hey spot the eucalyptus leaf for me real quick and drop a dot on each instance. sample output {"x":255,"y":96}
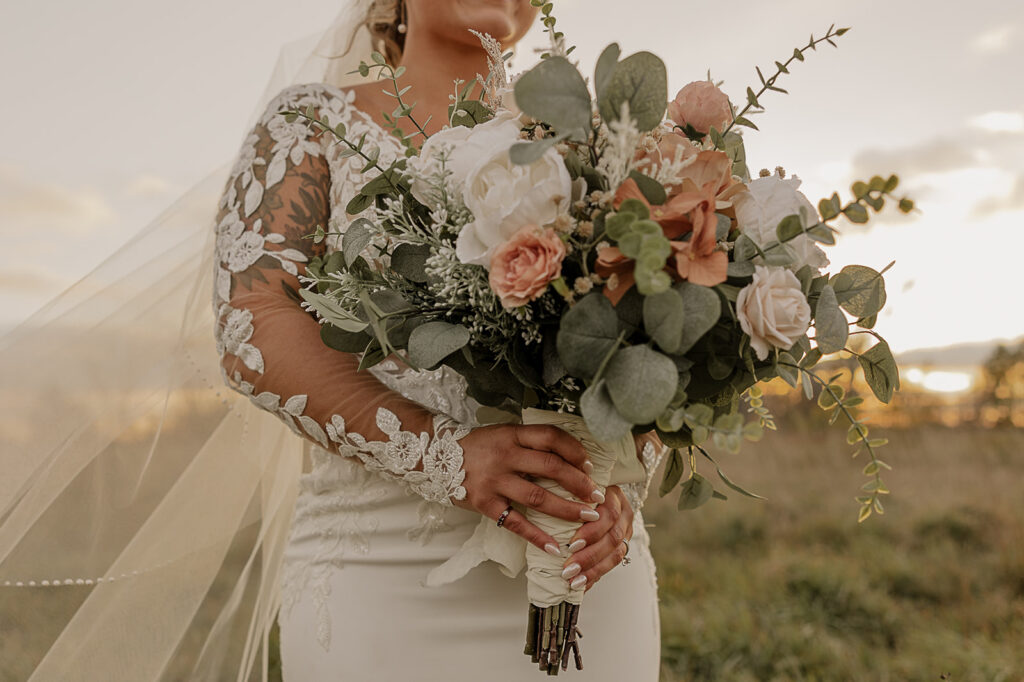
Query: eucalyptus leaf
{"x":641,"y":382}
{"x":880,"y":371}
{"x":789,"y":228}
{"x":695,"y":492}
{"x":673,"y":473}
{"x":860,"y":290}
{"x":663,"y":319}
{"x":432,"y":342}
{"x":555,"y":92}
{"x":600,"y":414}
{"x":830,"y":326}
{"x":525,"y":153}
{"x":356,"y":238}
{"x":639,"y":80}
{"x":701,"y":309}
{"x":652,"y":190}
{"x":605,"y":65}
{"x":341,"y":340}
{"x":586,"y":334}
{"x":410,"y":261}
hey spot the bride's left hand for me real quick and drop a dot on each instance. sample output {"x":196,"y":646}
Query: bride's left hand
{"x":602,"y":547}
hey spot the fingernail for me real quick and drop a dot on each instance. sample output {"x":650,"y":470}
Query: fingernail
{"x":588,"y":466}
{"x":552,"y":549}
{"x":577,"y":546}
{"x":578,"y":582}
{"x":597,"y":496}
{"x":589,"y":515}
{"x":571,"y":570}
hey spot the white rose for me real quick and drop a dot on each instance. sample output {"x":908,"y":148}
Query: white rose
{"x":503,"y":197}
{"x":759,"y":212}
{"x":772,"y":310}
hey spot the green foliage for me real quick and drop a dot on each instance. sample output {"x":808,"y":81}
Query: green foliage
{"x":641,"y":82}
{"x":432,"y":342}
{"x":880,"y":371}
{"x":601,"y":415}
{"x":701,"y":309}
{"x":663,"y":319}
{"x":555,"y":92}
{"x":587,"y":333}
{"x":830,"y":326}
{"x":859,"y":290}
{"x":641,"y":382}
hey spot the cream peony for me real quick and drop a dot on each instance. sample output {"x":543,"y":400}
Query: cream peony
{"x":463,"y":148}
{"x":773,"y":310}
{"x":503,"y":197}
{"x":760,"y":210}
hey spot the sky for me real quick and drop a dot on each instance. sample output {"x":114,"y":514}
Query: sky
{"x":112,"y":108}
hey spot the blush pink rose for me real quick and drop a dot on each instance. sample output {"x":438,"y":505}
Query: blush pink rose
{"x":522,"y":267}
{"x":702,"y":105}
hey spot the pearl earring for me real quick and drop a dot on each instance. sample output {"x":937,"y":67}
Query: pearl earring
{"x":402,"y":28}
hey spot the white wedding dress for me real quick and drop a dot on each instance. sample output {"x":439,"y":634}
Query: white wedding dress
{"x":370,"y":522}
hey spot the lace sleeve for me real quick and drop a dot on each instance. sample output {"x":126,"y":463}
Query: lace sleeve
{"x":270,"y":348}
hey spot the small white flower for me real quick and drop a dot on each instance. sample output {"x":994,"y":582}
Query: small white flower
{"x":768,"y":201}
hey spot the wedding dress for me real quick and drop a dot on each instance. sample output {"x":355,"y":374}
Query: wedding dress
{"x":372,"y":517}
{"x":154,"y":523}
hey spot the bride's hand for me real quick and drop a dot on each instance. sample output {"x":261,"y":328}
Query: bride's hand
{"x":496,"y":459}
{"x":598,"y":545}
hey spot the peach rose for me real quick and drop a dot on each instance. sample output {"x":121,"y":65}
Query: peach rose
{"x":522,"y":267}
{"x":702,"y":105}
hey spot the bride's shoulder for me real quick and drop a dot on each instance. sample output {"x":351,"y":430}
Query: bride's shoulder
{"x":323,"y":97}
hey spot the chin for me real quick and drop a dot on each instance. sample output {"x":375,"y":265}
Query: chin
{"x":494,"y":17}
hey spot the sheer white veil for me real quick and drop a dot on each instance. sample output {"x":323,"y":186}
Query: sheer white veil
{"x":144,"y":507}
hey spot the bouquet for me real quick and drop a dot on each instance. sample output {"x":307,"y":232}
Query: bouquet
{"x":598,"y":252}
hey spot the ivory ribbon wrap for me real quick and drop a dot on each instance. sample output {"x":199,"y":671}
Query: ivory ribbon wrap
{"x":614,"y":464}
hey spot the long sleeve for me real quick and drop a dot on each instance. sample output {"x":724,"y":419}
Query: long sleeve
{"x":280,"y":190}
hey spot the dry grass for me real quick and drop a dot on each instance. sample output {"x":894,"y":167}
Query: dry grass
{"x":793,"y":589}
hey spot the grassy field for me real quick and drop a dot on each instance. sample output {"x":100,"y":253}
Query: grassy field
{"x":794,"y":589}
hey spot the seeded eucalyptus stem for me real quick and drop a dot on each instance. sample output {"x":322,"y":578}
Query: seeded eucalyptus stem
{"x":875,"y":487}
{"x":781,"y":68}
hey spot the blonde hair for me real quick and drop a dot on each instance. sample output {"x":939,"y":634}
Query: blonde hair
{"x":382,"y":20}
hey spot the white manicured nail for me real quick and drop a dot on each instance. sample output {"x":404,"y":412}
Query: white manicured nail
{"x":589,"y":515}
{"x":597,"y":496}
{"x":552,"y":549}
{"x":577,"y":546}
{"x":571,"y":570}
{"x":578,"y":582}
{"x":588,"y":466}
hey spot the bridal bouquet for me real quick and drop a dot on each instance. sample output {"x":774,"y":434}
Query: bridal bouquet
{"x":598,"y":251}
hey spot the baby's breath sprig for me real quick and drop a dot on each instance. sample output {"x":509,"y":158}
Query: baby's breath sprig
{"x":753,"y":101}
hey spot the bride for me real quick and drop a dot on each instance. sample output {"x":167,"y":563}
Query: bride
{"x":141,"y":533}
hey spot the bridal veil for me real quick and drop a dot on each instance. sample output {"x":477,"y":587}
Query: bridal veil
{"x":144,"y":506}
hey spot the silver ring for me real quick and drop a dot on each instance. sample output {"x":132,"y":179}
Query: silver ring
{"x":625,"y":557}
{"x":504,"y":515}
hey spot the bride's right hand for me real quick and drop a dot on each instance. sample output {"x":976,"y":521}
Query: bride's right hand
{"x":498,"y":459}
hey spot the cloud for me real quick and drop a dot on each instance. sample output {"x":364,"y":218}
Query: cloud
{"x":31,"y":205}
{"x":999,"y":122}
{"x":148,"y":187}
{"x":935,"y":155}
{"x":994,"y":40}
{"x":1014,"y":201}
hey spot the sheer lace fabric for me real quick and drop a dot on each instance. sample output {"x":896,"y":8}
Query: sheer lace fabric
{"x":286,"y":181}
{"x":360,"y":544}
